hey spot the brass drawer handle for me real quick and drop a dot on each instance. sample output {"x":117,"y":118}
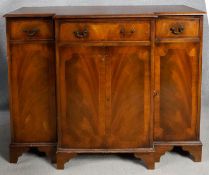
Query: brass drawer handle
{"x":30,"y":32}
{"x":176,"y":30}
{"x":81,"y":34}
{"x":124,"y":32}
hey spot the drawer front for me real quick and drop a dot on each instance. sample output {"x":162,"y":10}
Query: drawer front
{"x":174,"y":28}
{"x":31,"y":29}
{"x":123,"y":31}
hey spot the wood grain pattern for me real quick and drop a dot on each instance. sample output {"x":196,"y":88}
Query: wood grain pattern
{"x":119,"y":91}
{"x":105,"y":31}
{"x":176,"y":107}
{"x":82,"y":118}
{"x":190,"y":27}
{"x":129,"y":121}
{"x":33,"y":93}
{"x":23,"y":29}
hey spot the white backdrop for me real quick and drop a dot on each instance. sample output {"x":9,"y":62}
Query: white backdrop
{"x":9,"y":5}
{"x":207,"y":7}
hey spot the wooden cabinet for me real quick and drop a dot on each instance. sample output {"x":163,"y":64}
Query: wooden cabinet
{"x":128,"y":80}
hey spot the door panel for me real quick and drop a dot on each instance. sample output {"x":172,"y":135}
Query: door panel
{"x":176,"y":78}
{"x":82,"y":122}
{"x":129,"y":118}
{"x":33,"y":93}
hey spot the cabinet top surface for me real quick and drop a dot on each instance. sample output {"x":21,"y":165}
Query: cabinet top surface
{"x":104,"y":11}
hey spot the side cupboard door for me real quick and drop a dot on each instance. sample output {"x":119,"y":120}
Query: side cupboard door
{"x":177,"y":71}
{"x":33,"y":104}
{"x":129,"y":106}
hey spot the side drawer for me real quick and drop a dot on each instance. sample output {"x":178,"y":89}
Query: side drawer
{"x":30,"y":29}
{"x":177,"y":27}
{"x":104,"y":31}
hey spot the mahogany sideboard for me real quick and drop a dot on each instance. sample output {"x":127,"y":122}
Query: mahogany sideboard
{"x":114,"y":79}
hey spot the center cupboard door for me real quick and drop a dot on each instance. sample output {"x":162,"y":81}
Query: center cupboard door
{"x":129,"y":107}
{"x":81,"y":98}
{"x":177,"y":83}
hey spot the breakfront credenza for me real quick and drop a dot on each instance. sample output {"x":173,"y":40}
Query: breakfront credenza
{"x":105,"y":80}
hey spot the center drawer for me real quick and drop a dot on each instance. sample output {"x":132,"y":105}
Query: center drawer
{"x":102,"y":31}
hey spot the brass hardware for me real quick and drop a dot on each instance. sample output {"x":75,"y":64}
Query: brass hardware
{"x":155,"y":93}
{"x":31,"y":32}
{"x":124,"y":32}
{"x":81,"y":34}
{"x":178,"y":29}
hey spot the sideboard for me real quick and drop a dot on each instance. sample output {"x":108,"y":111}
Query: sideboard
{"x":114,"y":79}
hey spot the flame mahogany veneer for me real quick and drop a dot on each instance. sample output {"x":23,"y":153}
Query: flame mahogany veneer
{"x":105,"y":80}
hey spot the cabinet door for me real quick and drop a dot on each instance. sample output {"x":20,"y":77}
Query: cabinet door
{"x":128,"y":117}
{"x":33,"y":108}
{"x":177,"y":84}
{"x":81,"y":119}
